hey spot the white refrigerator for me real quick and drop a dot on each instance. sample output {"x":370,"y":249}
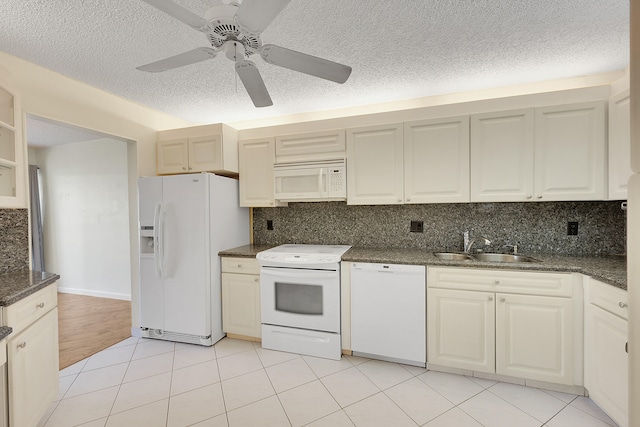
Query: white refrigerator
{"x":185,"y":220}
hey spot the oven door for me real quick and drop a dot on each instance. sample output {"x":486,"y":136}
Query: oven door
{"x":298,"y":298}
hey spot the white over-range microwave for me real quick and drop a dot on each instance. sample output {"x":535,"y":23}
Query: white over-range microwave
{"x":311,"y":181}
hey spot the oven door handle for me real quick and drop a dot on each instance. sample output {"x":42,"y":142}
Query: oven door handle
{"x":306,"y":274}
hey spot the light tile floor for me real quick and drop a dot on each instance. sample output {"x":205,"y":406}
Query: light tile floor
{"x":141,"y":382}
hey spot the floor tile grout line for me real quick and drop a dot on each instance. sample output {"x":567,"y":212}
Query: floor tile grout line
{"x":520,"y":409}
{"x":591,"y":415}
{"x":531,"y":415}
{"x":556,"y":414}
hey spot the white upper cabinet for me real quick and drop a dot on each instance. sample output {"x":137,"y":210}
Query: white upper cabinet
{"x":173,"y":156}
{"x":502,"y":156}
{"x":375,"y":165}
{"x":570,"y":153}
{"x":544,"y":154}
{"x":619,"y":145}
{"x":12,"y":175}
{"x":436,"y":160}
{"x":311,"y":146}
{"x":209,"y":148}
{"x":256,"y":159}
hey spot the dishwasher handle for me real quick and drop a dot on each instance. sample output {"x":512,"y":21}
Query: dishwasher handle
{"x":388,"y":268}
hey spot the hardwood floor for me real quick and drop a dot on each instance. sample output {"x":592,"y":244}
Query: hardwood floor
{"x":87,"y":325}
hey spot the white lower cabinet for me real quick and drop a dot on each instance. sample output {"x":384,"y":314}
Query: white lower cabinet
{"x":241,"y":297}
{"x":461,"y":329}
{"x":32,"y":356}
{"x":606,"y":359}
{"x":534,"y":337}
{"x":506,"y":327}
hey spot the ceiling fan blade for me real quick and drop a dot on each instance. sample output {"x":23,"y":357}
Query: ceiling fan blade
{"x":304,"y":63}
{"x":182,"y":14}
{"x":186,"y":58}
{"x":254,"y":16}
{"x":252,"y":81}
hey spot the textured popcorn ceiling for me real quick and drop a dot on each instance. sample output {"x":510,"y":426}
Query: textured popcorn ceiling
{"x":399,"y":49}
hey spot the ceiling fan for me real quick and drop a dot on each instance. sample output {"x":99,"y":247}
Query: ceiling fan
{"x":234,"y":28}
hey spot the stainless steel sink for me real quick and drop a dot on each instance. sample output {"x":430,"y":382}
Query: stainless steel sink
{"x":452,"y":256}
{"x":503,"y":258}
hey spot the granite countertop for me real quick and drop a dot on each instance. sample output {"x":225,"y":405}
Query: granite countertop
{"x":608,"y":269}
{"x":246,"y":251}
{"x":5,"y":331}
{"x":19,"y":284}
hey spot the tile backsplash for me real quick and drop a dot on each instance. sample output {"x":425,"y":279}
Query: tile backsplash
{"x":14,"y":240}
{"x":535,"y":227}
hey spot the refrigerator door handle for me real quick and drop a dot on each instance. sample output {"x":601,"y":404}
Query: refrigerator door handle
{"x":161,"y":241}
{"x":156,"y":240}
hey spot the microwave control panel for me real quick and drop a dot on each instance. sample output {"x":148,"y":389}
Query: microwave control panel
{"x":337,"y":181}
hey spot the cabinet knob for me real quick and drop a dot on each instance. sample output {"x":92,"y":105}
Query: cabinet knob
{"x":23,"y":344}
{"x":502,"y":300}
{"x":622,"y":304}
{"x":399,"y":200}
{"x":408,"y":200}
{"x":538,"y":197}
{"x":497,"y":282}
{"x":190,"y":168}
{"x":256,"y":280}
{"x":184,"y":168}
{"x":41,"y":305}
{"x":239,"y":265}
{"x":529,"y":196}
{"x":490,"y":298}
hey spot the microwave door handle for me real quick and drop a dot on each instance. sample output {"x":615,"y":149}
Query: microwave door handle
{"x":322,"y":187}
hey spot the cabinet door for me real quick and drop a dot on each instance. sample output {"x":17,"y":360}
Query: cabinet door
{"x":619,"y":145}
{"x":502,"y":156}
{"x":570,"y":152}
{"x":12,"y":151}
{"x":241,"y":304}
{"x":461,"y":329}
{"x":256,"y":158}
{"x":311,"y":146}
{"x":374,"y":165}
{"x":32,"y":361}
{"x":436,"y":161}
{"x":606,"y":364}
{"x":173,"y":156}
{"x":205,"y":153}
{"x":534,"y":337}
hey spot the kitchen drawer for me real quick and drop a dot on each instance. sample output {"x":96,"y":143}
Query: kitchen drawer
{"x":609,"y":298}
{"x":506,"y":281}
{"x":31,"y":308}
{"x":240,"y":265}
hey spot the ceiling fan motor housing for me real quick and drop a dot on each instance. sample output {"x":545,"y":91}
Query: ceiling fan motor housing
{"x":225,"y":29}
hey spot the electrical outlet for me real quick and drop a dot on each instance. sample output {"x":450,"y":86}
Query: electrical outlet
{"x":417,"y":227}
{"x":572,"y":228}
{"x":269,"y":224}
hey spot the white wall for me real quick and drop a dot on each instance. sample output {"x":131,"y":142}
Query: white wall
{"x":86,"y":217}
{"x":51,"y":95}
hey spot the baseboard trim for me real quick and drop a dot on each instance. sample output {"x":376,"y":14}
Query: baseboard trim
{"x":99,"y":294}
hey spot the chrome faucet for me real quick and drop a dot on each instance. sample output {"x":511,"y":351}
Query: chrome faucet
{"x":513,"y":247}
{"x":469,"y":242}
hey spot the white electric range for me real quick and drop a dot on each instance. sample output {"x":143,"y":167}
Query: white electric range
{"x":300,"y":299}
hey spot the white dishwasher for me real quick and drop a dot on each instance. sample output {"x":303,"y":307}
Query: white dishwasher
{"x":388,"y":312}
